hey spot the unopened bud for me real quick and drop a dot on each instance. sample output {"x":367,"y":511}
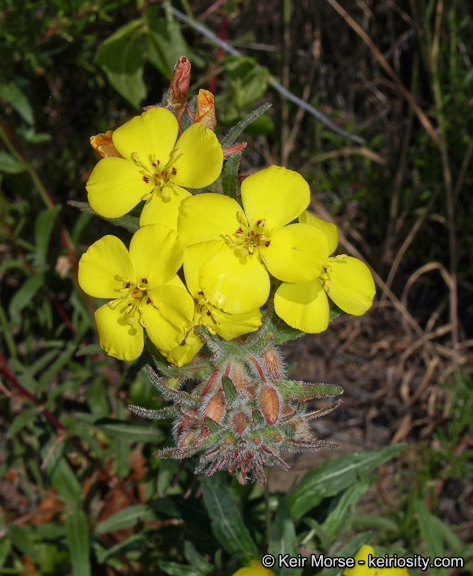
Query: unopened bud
{"x":272,"y":363}
{"x":240,"y":422}
{"x":187,"y":439}
{"x":205,"y":109}
{"x":179,"y":86}
{"x":215,"y":407}
{"x":104,"y":146}
{"x":269,"y":401}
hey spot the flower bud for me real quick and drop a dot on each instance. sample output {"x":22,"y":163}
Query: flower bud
{"x":240,"y":421}
{"x":269,"y":401}
{"x":215,"y":407}
{"x":205,"y":109}
{"x":179,"y":86}
{"x":272,"y":363}
{"x":104,"y":146}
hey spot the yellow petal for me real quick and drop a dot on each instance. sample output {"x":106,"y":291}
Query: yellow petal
{"x":362,"y":569}
{"x":153,"y":133}
{"x":303,"y":306}
{"x":170,"y":317}
{"x":116,"y":337}
{"x":296,"y":253}
{"x":158,"y":210}
{"x":235,"y":285}
{"x":102,"y":267}
{"x":116,"y":186}
{"x":157,"y":254}
{"x":194,"y":257}
{"x":329,"y":229}
{"x":185,"y":352}
{"x":276,"y":195}
{"x":208,"y":217}
{"x":351,"y":285}
{"x":229,"y":326}
{"x":256,"y":569}
{"x":201,"y":159}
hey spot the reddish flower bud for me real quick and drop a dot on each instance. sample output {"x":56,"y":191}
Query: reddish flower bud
{"x":187,"y":439}
{"x":269,"y":401}
{"x":179,"y":86}
{"x":104,"y":146}
{"x":240,"y":421}
{"x":215,"y":406}
{"x":272,"y":363}
{"x":205,"y":109}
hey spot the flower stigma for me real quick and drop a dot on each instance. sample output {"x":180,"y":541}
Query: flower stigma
{"x":247,"y":239}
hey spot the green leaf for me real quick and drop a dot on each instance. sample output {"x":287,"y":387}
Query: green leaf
{"x":126,"y":518}
{"x":77,"y":538}
{"x":283,"y":538}
{"x":348,"y":551}
{"x":129,"y":430}
{"x":284,"y":333}
{"x":12,"y":95}
{"x":233,"y":134}
{"x":290,"y":389}
{"x":333,"y":476}
{"x":227,"y":520}
{"x":43,"y":228}
{"x":175,"y":569}
{"x":340,"y":518}
{"x":4,"y":550}
{"x":122,"y":58}
{"x":62,"y":477}
{"x":129,"y":222}
{"x":431,"y":533}
{"x":24,"y":296}
{"x":198,"y":562}
{"x":165,"y":45}
{"x":230,"y":181}
{"x":9,"y":164}
{"x":20,"y":538}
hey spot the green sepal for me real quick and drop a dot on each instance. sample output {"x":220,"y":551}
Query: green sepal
{"x":170,"y":393}
{"x":212,"y":425}
{"x":169,"y":412}
{"x":229,"y":389}
{"x":293,"y":389}
{"x":230,"y":182}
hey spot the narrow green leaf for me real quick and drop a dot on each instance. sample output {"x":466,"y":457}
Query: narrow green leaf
{"x":129,"y":222}
{"x":229,"y":389}
{"x":333,"y":476}
{"x":175,"y":569}
{"x":122,"y":58}
{"x":24,"y":296}
{"x":233,"y":134}
{"x":9,"y":164}
{"x":129,"y":430}
{"x":135,"y":543}
{"x":4,"y":549}
{"x":340,"y":518}
{"x":227,"y":520}
{"x":20,"y":538}
{"x":284,"y":333}
{"x":230,"y":183}
{"x":11,"y":94}
{"x":77,"y":538}
{"x":431,"y":536}
{"x":198,"y":562}
{"x":43,"y":228}
{"x":319,"y":531}
{"x":126,"y":518}
{"x":62,"y":477}
{"x":283,"y":538}
{"x":348,"y":551}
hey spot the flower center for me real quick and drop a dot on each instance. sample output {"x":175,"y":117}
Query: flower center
{"x":159,"y":175}
{"x":203,"y":313}
{"x":247,"y":240}
{"x":137,"y":295}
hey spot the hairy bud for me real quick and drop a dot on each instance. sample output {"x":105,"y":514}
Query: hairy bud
{"x":269,"y":401}
{"x":205,"y":109}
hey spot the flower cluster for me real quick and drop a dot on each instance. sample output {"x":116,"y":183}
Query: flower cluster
{"x":201,"y":266}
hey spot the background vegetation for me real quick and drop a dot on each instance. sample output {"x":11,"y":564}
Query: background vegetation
{"x":80,"y":492}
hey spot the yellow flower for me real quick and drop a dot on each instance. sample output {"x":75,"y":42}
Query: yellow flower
{"x":144,"y":290}
{"x":154,"y":167}
{"x":251,"y":244}
{"x":256,"y":569}
{"x":346,"y":280}
{"x":227,"y":326}
{"x":365,"y":570}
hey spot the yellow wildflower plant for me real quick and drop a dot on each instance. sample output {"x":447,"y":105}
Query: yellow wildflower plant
{"x":251,"y":243}
{"x":154,"y":168}
{"x":365,"y":570}
{"x":227,"y":326}
{"x":144,"y":291}
{"x":255,"y":569}
{"x":347,"y":281}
